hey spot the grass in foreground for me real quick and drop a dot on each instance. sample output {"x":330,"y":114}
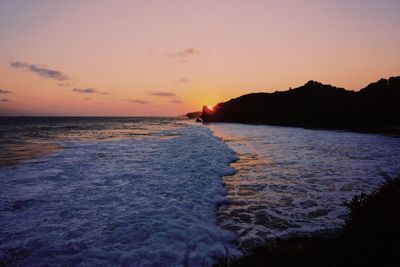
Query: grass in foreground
{"x":369,"y":237}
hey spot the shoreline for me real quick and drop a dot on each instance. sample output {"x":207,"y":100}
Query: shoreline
{"x":393,"y":131}
{"x":369,"y":237}
{"x":236,"y":219}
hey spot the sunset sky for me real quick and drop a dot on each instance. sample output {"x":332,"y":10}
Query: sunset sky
{"x":151,"y":58}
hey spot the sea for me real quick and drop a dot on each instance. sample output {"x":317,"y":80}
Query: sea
{"x":141,"y":191}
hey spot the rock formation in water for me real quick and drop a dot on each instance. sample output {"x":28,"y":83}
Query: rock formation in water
{"x":194,"y":115}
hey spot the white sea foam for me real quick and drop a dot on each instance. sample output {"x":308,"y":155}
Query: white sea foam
{"x":128,"y":202}
{"x":295,"y":180}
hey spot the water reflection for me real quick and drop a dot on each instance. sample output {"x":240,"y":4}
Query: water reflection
{"x":293,"y":179}
{"x":12,"y":153}
{"x":25,"y":138}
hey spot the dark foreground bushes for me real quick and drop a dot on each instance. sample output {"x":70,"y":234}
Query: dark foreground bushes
{"x":369,"y":237}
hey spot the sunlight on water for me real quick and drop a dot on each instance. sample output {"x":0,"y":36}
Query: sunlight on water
{"x":26,"y":150}
{"x":28,"y":138}
{"x":295,"y":180}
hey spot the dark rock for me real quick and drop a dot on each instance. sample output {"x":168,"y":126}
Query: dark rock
{"x":193,"y":115}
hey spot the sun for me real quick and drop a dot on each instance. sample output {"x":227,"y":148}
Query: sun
{"x":210,"y":107}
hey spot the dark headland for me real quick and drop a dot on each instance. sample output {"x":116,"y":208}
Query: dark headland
{"x":374,"y":108}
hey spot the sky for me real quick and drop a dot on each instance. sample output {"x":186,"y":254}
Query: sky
{"x":167,"y":58}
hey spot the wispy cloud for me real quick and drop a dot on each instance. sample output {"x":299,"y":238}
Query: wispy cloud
{"x":85,"y":90}
{"x":40,"y":70}
{"x":184,"y":55}
{"x":5,"y":100}
{"x":89,"y":91}
{"x":161,"y":93}
{"x":139,"y":101}
{"x":182,"y":81}
{"x":4,"y":91}
{"x":65,"y":84}
{"x":176,"y":101}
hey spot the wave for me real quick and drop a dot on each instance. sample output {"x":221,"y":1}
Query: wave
{"x":118,"y":202}
{"x":296,"y":180}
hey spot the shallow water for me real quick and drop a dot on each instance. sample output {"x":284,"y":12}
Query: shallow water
{"x":146,"y":200}
{"x":24,"y":138}
{"x":148,"y":191}
{"x":296,"y":180}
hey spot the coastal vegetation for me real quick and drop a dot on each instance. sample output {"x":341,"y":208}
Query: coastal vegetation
{"x":369,"y":237}
{"x":316,"y":105}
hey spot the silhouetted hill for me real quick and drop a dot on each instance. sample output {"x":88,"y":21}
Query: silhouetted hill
{"x":316,"y":105}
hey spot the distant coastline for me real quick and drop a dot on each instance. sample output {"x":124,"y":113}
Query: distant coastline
{"x":373,"y":109}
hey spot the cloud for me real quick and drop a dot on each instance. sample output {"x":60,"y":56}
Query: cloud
{"x":64,"y":84}
{"x":85,"y":90}
{"x":89,"y":91}
{"x":183,"y":56}
{"x":5,"y":100}
{"x":41,"y":71}
{"x":176,"y":101}
{"x":185,"y":53}
{"x":139,"y":101}
{"x":161,"y":94}
{"x":182,"y":81}
{"x":4,"y":91}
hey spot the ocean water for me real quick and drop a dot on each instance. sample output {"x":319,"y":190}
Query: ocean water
{"x":122,"y":191}
{"x":169,"y":192}
{"x":296,"y":180}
